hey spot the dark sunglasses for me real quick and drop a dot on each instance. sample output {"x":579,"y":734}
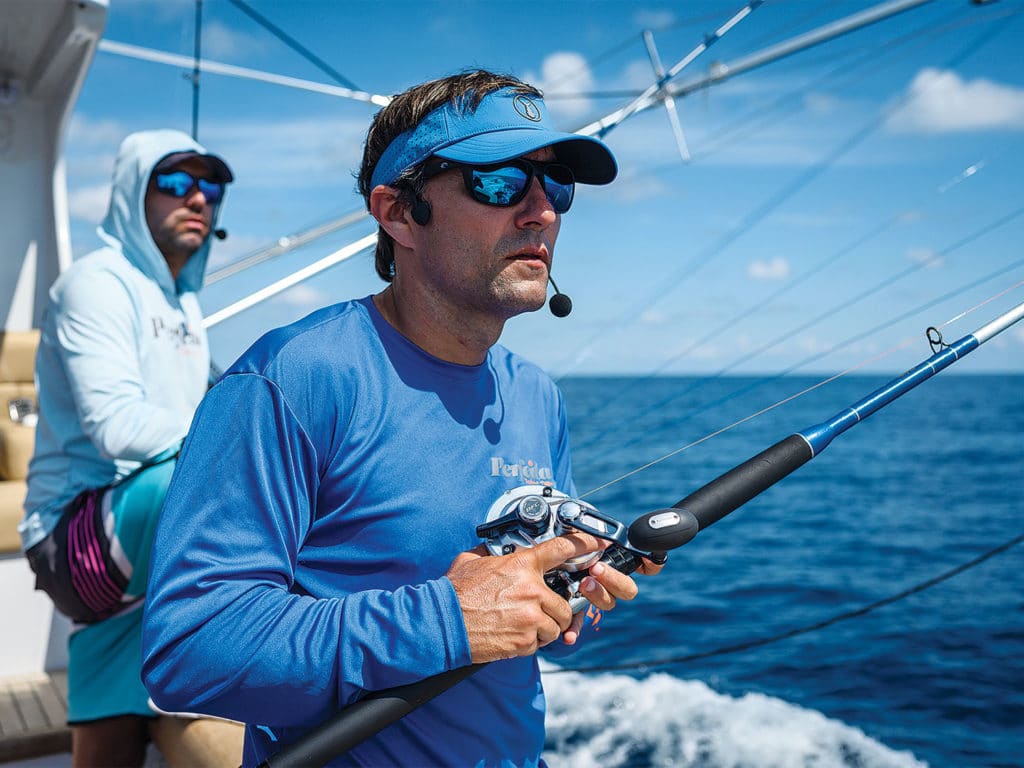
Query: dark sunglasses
{"x":505,"y":184}
{"x":181,"y":183}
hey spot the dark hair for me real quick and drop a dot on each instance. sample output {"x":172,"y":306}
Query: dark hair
{"x":464,"y":90}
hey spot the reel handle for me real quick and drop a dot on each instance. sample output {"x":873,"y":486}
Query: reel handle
{"x":564,"y":584}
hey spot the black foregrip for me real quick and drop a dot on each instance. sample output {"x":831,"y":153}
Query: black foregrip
{"x":621,"y":559}
{"x":363,"y":719}
{"x":739,"y":485}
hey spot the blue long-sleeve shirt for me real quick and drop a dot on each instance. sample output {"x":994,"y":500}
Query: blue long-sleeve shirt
{"x":329,"y":480}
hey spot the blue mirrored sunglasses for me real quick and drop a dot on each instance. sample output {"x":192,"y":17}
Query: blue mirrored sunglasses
{"x":505,"y":184}
{"x":181,"y":183}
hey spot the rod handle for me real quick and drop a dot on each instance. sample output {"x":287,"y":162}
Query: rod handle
{"x":361,"y":720}
{"x":733,"y":489}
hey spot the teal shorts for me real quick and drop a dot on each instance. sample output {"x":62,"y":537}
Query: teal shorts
{"x":105,"y":658}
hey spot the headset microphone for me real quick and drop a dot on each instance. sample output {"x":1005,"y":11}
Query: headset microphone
{"x":560,"y":304}
{"x":220,"y":234}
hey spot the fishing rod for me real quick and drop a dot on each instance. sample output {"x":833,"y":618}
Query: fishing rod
{"x":650,"y":536}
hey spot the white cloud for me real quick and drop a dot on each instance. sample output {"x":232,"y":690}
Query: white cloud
{"x":160,"y":11}
{"x":231,"y":250}
{"x":638,"y":75}
{"x":89,"y":203}
{"x":818,"y":103}
{"x":654,"y":317}
{"x":223,"y":42}
{"x":940,"y":101}
{"x":775,"y":269}
{"x":85,"y":132}
{"x":303,"y":295}
{"x":564,"y":72}
{"x":813,"y":345}
{"x":925,"y":256}
{"x":634,"y":187}
{"x":651,"y":19}
{"x":303,"y":150}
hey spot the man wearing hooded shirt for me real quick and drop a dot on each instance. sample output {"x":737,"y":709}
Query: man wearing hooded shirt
{"x":122,"y":364}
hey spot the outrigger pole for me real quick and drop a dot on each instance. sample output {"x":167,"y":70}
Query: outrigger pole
{"x":720,"y":72}
{"x":705,"y":506}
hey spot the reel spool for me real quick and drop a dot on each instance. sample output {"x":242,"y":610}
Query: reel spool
{"x":531,"y":514}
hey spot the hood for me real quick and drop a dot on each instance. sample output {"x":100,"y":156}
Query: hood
{"x":125,"y":229}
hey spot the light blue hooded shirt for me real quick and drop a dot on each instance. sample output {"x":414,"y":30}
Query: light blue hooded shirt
{"x":123,"y":359}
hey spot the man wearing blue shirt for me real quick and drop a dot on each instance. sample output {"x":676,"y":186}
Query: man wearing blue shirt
{"x":318,"y":540}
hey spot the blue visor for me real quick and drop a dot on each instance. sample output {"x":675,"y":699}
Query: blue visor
{"x":504,"y":126}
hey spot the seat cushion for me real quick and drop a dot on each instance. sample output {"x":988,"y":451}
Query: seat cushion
{"x":12,"y":494}
{"x":18,"y":355}
{"x":16,"y":444}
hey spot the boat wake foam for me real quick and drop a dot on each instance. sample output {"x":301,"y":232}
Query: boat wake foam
{"x":615,"y":720}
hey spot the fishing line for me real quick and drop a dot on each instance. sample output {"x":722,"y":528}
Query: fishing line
{"x":761,"y":382}
{"x":790,"y":398}
{"x":806,"y":629}
{"x":736,"y":319}
{"x":285,"y":245}
{"x":760,"y":212}
{"x":967,"y":239}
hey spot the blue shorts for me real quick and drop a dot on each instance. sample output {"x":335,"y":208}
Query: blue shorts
{"x":95,"y":565}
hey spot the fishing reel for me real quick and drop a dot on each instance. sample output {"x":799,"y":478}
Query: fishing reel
{"x":532,"y":514}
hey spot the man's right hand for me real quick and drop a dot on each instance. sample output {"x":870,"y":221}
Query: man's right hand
{"x":507,"y":607}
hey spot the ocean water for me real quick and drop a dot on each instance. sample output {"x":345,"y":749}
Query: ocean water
{"x":929,"y":483}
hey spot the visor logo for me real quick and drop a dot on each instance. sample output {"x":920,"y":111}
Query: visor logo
{"x":524,"y":106}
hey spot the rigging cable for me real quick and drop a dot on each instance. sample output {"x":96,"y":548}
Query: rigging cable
{"x":618,"y":48}
{"x":294,"y":44}
{"x":773,"y":108}
{"x":767,"y":112}
{"x":754,"y":217}
{"x":786,"y":335}
{"x":758,"y":306}
{"x":197,"y":57}
{"x":779,"y":106}
{"x":837,"y":618}
{"x":803,"y":630}
{"x":656,"y":91}
{"x":615,"y":50}
{"x":760,"y":382}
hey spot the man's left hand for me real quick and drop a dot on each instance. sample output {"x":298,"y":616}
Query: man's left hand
{"x":602,"y":588}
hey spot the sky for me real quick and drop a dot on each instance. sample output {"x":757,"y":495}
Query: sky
{"x":837,"y":202}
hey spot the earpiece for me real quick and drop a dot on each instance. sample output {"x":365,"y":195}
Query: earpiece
{"x":421,"y":211}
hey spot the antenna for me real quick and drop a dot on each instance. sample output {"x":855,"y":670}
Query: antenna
{"x":195,"y":70}
{"x":666,"y":98}
{"x":659,"y":91}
